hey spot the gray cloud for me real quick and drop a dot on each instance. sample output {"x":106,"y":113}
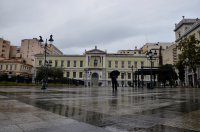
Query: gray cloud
{"x":81,"y":24}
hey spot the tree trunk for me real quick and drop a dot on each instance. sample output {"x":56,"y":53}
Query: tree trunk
{"x":195,"y":79}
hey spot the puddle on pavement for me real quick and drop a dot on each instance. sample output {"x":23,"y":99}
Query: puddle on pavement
{"x":103,"y":120}
{"x":79,"y":114}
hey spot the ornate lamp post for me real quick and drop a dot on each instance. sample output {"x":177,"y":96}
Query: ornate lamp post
{"x":46,"y":63}
{"x":151,"y":56}
{"x":132,"y":76}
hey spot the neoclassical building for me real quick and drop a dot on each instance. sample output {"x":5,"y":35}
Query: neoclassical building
{"x":16,"y":67}
{"x":94,"y":66}
{"x":185,"y":28}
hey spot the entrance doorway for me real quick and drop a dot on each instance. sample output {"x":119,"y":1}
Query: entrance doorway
{"x":94,"y":79}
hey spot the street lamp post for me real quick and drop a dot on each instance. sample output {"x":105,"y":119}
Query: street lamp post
{"x":132,"y":77}
{"x":151,"y":56}
{"x":46,"y":63}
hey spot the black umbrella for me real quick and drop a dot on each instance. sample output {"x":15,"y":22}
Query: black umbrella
{"x":114,"y":73}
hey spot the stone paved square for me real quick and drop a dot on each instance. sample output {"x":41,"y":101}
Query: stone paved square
{"x":99,"y":109}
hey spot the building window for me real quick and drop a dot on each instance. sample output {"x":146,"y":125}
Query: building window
{"x":80,"y":74}
{"x":50,"y":62}
{"x":0,"y":67}
{"x":108,"y":74}
{"x":95,"y":62}
{"x":122,"y":75}
{"x":129,"y":75}
{"x":142,"y":63}
{"x":186,"y":28}
{"x":6,"y":67}
{"x":68,"y":63}
{"x":3,"y":50}
{"x":122,"y":64}
{"x":10,"y":67}
{"x":179,"y":34}
{"x":74,"y":63}
{"x":68,"y":74}
{"x":109,"y":64}
{"x":62,"y":63}
{"x":152,"y":64}
{"x":81,"y":63}
{"x":129,"y":64}
{"x":74,"y":74}
{"x":40,"y":62}
{"x":116,"y":64}
{"x":56,"y":63}
{"x":135,"y":64}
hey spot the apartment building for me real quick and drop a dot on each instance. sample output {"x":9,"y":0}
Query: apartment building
{"x":31,"y":47}
{"x":155,"y":46}
{"x":170,"y":55}
{"x":4,"y":49}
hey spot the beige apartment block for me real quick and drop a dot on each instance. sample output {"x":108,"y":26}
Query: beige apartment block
{"x":15,"y":67}
{"x":133,"y":52}
{"x":15,"y":52}
{"x":170,"y":55}
{"x":185,"y":28}
{"x":31,"y":47}
{"x":4,"y":48}
{"x":155,"y":46}
{"x":54,"y":50}
{"x":94,"y":66}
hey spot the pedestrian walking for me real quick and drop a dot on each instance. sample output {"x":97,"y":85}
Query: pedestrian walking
{"x":113,"y":75}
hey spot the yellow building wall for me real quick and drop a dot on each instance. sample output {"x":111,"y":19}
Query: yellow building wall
{"x":119,"y":58}
{"x":65,"y":60}
{"x":15,"y":68}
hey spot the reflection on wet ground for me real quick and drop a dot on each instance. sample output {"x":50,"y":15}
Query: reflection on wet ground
{"x":128,"y":109}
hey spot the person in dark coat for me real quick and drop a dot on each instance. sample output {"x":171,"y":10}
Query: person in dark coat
{"x":114,"y":83}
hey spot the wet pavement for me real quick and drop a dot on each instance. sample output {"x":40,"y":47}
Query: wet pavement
{"x":99,"y":109}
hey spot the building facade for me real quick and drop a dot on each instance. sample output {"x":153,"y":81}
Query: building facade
{"x":186,"y":28}
{"x":31,"y":47}
{"x":170,"y":55}
{"x":94,"y":66}
{"x":4,"y":49}
{"x":15,"y":52}
{"x":15,"y":68}
{"x":156,"y":46}
{"x":54,"y":50}
{"x":19,"y":60}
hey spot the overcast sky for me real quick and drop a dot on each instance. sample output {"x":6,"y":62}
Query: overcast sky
{"x":81,"y":24}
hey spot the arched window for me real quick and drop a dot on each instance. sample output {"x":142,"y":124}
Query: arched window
{"x":95,"y":62}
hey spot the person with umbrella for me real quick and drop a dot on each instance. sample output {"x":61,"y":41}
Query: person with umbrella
{"x":113,"y":75}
